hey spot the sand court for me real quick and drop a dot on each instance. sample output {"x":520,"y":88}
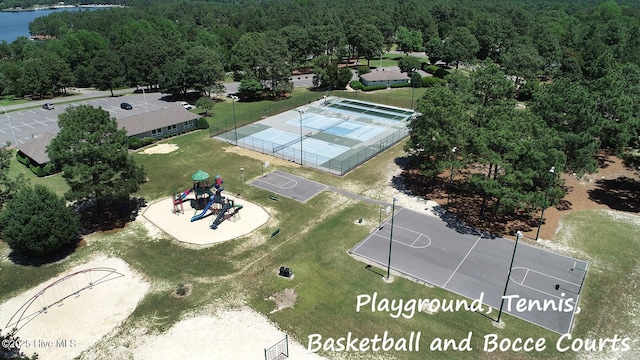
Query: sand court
{"x":74,"y":324}
{"x":232,"y":334}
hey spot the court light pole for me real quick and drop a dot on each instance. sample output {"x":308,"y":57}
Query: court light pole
{"x":242,"y":175}
{"x":10,"y":126}
{"x":413,"y":88}
{"x":235,"y":128}
{"x":544,"y":202}
{"x":518,"y":237}
{"x":453,"y":154}
{"x":144,"y":95}
{"x":393,"y":213}
{"x":301,"y":153}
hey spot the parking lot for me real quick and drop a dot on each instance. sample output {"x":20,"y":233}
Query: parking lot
{"x":32,"y":122}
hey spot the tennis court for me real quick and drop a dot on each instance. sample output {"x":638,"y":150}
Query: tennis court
{"x":331,"y":134}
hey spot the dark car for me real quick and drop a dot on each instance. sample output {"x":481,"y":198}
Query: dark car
{"x":126,"y":106}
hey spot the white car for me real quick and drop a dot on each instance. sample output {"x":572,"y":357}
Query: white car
{"x":186,"y":105}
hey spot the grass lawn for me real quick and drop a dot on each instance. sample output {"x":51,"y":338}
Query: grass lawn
{"x":54,"y":182}
{"x":610,"y":300}
{"x":313,"y":241}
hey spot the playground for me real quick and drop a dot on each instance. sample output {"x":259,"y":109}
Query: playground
{"x":204,"y":214}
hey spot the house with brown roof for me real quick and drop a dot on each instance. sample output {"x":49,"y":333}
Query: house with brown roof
{"x":153,"y":124}
{"x":34,"y":153}
{"x":384,"y":77}
{"x":159,"y":123}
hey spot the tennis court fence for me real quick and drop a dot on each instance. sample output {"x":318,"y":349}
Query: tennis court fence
{"x":239,"y":117}
{"x":339,"y":166}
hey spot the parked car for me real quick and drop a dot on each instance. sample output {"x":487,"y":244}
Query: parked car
{"x":48,"y":106}
{"x":126,"y":106}
{"x":186,"y":105}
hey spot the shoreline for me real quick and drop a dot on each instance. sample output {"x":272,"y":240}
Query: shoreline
{"x":58,"y":7}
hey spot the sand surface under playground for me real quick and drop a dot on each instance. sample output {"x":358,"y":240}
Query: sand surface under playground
{"x":65,"y":330}
{"x":180,"y":227}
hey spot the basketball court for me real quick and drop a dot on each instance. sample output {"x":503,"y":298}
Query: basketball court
{"x":440,"y":252}
{"x":288,"y":185}
{"x":543,"y":289}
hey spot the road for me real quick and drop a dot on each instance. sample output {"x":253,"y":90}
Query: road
{"x":25,"y":122}
{"x":21,"y":123}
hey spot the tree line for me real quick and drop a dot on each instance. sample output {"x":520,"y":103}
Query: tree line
{"x":573,"y":65}
{"x":191,"y":45}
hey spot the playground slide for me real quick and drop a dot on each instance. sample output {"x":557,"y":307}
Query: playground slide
{"x":185,"y":193}
{"x":204,"y":211}
{"x":220,"y":217}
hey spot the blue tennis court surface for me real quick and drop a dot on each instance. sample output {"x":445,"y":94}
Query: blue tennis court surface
{"x":356,"y":130}
{"x":311,"y":145}
{"x":276,"y":136}
{"x":316,"y":121}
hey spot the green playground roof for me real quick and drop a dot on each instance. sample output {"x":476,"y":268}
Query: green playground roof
{"x":199,"y":176}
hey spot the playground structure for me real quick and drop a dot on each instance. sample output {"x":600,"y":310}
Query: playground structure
{"x":207,"y":202}
{"x":58,"y":291}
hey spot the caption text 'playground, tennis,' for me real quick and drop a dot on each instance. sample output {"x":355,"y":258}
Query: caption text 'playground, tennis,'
{"x":397,"y":308}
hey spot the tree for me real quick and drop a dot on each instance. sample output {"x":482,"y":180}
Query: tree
{"x":522,"y":61}
{"x":366,"y":40}
{"x":92,"y":153}
{"x":570,"y":109}
{"x":205,"y":103}
{"x":491,"y":87}
{"x":614,"y":94}
{"x":492,"y":32}
{"x":330,"y":76}
{"x":443,"y":124}
{"x":516,"y":149}
{"x":460,"y":46}
{"x":298,"y":43}
{"x":12,"y":352}
{"x":37,"y":222}
{"x":34,"y":79}
{"x":106,"y":70}
{"x":434,"y":49}
{"x":409,"y":64}
{"x":249,"y":88}
{"x":409,"y":40}
{"x":203,"y":68}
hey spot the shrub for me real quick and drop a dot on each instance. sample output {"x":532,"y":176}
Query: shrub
{"x":374,"y":87}
{"x":134,"y":143}
{"x":363,"y":69}
{"x":39,"y":171}
{"x":441,"y":73}
{"x":431,"y":69}
{"x":147,"y":141}
{"x":429,"y":81}
{"x":202,"y":123}
{"x":400,"y":85}
{"x":356,"y":85}
{"x":23,"y":159}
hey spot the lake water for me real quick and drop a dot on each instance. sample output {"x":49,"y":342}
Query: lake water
{"x":16,"y":24}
